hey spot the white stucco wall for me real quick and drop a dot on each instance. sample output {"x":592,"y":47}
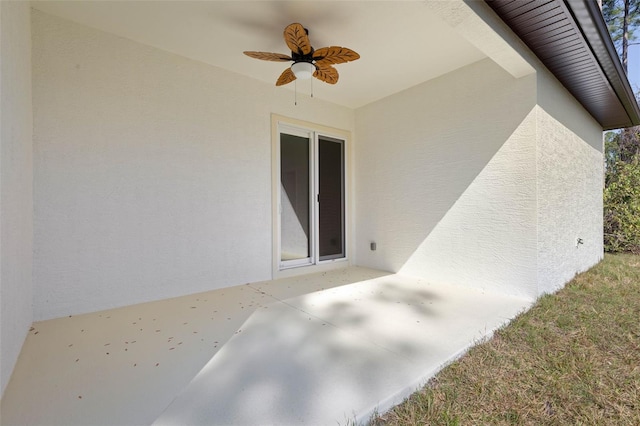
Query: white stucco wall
{"x":570,"y":183}
{"x":152,"y":175}
{"x":152,"y":172}
{"x":479,"y":178}
{"x":16,"y":183}
{"x":446,"y":180}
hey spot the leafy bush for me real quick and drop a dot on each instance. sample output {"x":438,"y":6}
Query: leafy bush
{"x":622,"y":206}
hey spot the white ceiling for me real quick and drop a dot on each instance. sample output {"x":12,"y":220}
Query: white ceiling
{"x":401,"y":43}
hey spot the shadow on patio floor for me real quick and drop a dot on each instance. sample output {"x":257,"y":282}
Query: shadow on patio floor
{"x":317,"y":349}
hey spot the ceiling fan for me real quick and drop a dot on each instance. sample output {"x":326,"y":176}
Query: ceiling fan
{"x":307,"y":61}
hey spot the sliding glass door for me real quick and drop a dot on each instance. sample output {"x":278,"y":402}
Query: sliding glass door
{"x":311,"y":197}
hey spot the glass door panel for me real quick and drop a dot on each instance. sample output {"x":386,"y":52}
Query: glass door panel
{"x":295,"y":219}
{"x":330,"y":198}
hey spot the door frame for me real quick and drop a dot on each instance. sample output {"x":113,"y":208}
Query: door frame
{"x":279,"y":122}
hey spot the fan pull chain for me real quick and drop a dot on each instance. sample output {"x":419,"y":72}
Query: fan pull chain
{"x":295,"y":92}
{"x":312,"y":87}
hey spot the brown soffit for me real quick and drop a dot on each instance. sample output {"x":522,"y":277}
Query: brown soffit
{"x":571,"y":39}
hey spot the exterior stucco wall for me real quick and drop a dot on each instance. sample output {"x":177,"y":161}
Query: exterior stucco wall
{"x":152,"y":171}
{"x":446,"y":180}
{"x":16,"y":183}
{"x":507,"y":219}
{"x":153,"y":176}
{"x":570,"y":183}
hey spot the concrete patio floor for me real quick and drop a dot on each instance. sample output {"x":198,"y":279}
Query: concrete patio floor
{"x":320,"y":349}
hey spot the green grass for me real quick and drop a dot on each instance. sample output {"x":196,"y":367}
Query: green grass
{"x":572,"y":359}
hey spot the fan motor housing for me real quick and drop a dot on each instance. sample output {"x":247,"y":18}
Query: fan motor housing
{"x":297,"y":57}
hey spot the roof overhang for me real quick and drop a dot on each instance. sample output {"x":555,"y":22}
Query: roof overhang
{"x":571,"y":39}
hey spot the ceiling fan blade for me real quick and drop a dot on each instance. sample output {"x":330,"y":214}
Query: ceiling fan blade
{"x":287,"y":76}
{"x":296,"y":38}
{"x":268,"y":56}
{"x":327,"y":73}
{"x":334,"y":55}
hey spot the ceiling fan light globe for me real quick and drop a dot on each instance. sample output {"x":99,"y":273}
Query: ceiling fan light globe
{"x":303,"y":70}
